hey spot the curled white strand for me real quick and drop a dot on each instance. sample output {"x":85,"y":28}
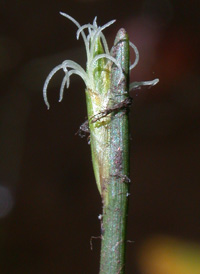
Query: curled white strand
{"x":137,"y":85}
{"x":104,"y":55}
{"x":103,"y":40}
{"x":82,"y":32}
{"x":62,"y":87}
{"x":77,"y":72}
{"x":89,"y":35}
{"x":110,"y":58}
{"x":102,"y":36}
{"x":66,"y":80}
{"x":95,"y":22}
{"x":86,"y":26}
{"x":98,"y":31}
{"x":73,"y":65}
{"x":136,"y":55}
{"x":105,"y":45}
{"x":76,"y":68}
{"x":70,"y":18}
{"x":46,"y":83}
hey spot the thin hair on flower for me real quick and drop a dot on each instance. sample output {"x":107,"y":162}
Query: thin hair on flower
{"x":70,"y":67}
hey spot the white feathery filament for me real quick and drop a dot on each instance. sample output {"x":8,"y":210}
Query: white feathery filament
{"x":70,"y":67}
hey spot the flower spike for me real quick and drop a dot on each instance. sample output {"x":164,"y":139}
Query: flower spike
{"x":91,"y":40}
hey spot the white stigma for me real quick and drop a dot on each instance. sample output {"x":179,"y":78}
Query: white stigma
{"x":70,"y":67}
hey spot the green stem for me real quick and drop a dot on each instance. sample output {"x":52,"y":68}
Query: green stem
{"x":107,"y":97}
{"x":116,"y":204}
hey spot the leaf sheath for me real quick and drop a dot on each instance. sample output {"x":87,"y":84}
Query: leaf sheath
{"x":116,"y":205}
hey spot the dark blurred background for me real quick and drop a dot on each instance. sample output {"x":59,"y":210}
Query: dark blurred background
{"x":49,"y":203}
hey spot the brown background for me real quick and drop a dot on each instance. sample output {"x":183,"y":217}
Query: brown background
{"x":49,"y":202}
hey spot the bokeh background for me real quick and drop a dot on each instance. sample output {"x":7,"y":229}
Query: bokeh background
{"x":49,"y":203}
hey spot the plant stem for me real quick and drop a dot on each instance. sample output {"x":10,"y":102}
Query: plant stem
{"x":107,"y":97}
{"x":115,"y":205}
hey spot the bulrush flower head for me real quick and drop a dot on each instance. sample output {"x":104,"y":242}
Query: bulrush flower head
{"x":91,"y":40}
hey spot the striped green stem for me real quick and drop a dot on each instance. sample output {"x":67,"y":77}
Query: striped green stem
{"x":115,"y":208}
